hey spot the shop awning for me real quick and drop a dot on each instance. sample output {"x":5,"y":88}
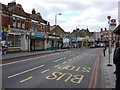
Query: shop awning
{"x":117,"y":30}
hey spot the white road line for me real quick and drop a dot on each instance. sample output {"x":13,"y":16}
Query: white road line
{"x":29,"y":59}
{"x":26,"y":71}
{"x":59,"y":59}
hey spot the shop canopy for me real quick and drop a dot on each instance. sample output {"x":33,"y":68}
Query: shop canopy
{"x":117,"y":30}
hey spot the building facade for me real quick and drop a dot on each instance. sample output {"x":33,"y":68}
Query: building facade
{"x":23,"y":31}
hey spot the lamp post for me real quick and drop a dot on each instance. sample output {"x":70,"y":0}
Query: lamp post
{"x":56,"y":30}
{"x":109,"y":50}
{"x":77,"y":35}
{"x":56,"y":18}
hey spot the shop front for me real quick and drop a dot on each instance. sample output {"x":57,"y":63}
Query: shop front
{"x":17,"y":40}
{"x":37,"y":41}
{"x":73,"y":42}
{"x":53,"y":42}
{"x":66,"y":43}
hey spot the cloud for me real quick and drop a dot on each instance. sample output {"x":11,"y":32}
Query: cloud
{"x":86,"y":13}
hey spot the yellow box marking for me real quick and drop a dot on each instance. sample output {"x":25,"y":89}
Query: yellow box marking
{"x":45,"y":71}
{"x":25,"y":79}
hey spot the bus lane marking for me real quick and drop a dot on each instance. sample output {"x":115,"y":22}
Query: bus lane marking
{"x":56,"y":65}
{"x":26,"y":79}
{"x":69,"y":77}
{"x":45,"y":71}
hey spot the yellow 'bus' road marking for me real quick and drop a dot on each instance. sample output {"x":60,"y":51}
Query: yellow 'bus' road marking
{"x":45,"y":71}
{"x":25,"y":79}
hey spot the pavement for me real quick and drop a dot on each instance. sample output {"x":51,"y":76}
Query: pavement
{"x":23,"y":54}
{"x":107,"y":78}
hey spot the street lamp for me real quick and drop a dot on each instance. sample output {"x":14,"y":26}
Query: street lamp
{"x":55,"y":30}
{"x":109,"y":50}
{"x":56,"y":18}
{"x":77,"y":35}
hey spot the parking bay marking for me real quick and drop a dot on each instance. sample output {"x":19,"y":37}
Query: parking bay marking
{"x":26,"y":71}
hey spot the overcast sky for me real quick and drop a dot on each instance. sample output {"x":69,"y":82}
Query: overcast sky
{"x":90,"y":14}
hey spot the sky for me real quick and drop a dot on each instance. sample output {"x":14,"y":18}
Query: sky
{"x":91,"y":14}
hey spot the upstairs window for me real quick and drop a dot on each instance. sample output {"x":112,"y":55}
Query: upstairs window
{"x":19,"y":24}
{"x":14,"y":21}
{"x":23,"y":23}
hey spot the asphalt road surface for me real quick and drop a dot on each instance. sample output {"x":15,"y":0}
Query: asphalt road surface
{"x":71,"y":69}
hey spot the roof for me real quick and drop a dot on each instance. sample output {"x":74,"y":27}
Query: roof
{"x":52,"y":27}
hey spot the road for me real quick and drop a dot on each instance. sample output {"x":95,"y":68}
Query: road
{"x":71,"y":69}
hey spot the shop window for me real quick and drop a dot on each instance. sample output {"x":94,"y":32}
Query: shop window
{"x":14,"y":40}
{"x":11,"y":40}
{"x":17,"y":41}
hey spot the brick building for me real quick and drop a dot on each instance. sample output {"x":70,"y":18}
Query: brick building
{"x":107,"y":35}
{"x":23,"y":31}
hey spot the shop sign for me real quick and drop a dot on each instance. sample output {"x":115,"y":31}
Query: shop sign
{"x":73,"y":38}
{"x":52,"y":37}
{"x":37,"y":35}
{"x":17,"y":31}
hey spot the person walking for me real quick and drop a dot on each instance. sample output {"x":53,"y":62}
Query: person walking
{"x":104,"y":49}
{"x":116,"y":61}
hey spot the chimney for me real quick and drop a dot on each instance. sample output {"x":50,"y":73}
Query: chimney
{"x":33,"y":11}
{"x":11,"y":4}
{"x":101,"y":29}
{"x":105,"y":29}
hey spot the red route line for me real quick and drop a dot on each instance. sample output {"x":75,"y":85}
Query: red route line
{"x":92,"y":77}
{"x":96,"y":74}
{"x":93,"y":80}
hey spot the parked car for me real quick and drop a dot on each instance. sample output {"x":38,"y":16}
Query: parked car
{"x":92,"y":46}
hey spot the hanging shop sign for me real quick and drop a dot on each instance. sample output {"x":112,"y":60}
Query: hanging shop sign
{"x":36,"y":35}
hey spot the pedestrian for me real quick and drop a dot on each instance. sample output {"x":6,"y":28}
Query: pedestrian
{"x":104,"y":50}
{"x":116,"y":61}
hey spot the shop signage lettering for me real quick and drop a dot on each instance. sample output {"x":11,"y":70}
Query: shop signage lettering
{"x":37,"y":35}
{"x":17,"y":31}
